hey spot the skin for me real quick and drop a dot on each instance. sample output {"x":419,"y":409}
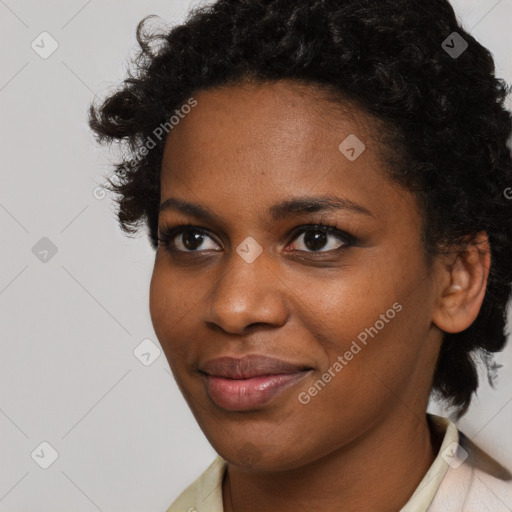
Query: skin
{"x":242,"y":149}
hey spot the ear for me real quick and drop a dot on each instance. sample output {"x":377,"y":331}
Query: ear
{"x":464,"y":274}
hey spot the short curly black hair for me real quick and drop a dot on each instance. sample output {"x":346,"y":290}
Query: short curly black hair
{"x":399,"y":61}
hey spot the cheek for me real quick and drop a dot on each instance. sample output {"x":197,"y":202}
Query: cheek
{"x":376,"y":321}
{"x":350,"y":300}
{"x":168,"y":308}
{"x":175,"y":305}
{"x":171,"y":299}
{"x":158,"y":300}
{"x":367,"y":365}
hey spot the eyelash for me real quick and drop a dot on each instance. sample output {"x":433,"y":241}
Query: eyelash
{"x":168,"y":233}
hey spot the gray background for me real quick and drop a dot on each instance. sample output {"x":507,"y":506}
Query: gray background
{"x":125,"y":438}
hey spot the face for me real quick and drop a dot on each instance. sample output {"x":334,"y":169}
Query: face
{"x":310,"y":255}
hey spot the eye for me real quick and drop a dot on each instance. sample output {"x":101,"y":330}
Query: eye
{"x":185,"y":239}
{"x":316,"y":237}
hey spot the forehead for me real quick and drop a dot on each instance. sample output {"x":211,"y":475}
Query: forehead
{"x":269,"y":109}
{"x":272,"y":121}
{"x":261,"y":143}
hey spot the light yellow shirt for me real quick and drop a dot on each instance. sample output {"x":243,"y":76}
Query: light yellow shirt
{"x":462,"y":478}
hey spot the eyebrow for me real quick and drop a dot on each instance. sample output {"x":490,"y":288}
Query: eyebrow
{"x":276,"y":212}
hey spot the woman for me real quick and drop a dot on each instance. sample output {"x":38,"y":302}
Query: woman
{"x":324,"y":183}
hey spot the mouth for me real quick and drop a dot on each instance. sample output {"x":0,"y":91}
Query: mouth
{"x":249,"y":382}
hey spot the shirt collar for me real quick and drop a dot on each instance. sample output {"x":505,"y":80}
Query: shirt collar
{"x":447,"y":455}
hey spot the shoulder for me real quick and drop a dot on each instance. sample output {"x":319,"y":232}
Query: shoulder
{"x":205,"y":493}
{"x":474,"y":481}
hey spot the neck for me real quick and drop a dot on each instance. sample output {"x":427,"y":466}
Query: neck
{"x":378,"y":471}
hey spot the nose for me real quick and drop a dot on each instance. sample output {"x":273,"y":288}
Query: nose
{"x":247,"y":294}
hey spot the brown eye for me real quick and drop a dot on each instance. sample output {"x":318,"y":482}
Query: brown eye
{"x":321,"y":238}
{"x":186,"y":239}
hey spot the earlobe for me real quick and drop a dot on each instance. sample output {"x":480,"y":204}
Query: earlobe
{"x":464,"y":284}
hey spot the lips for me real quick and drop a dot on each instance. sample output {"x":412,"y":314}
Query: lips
{"x":249,"y":382}
{"x":248,"y":366}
